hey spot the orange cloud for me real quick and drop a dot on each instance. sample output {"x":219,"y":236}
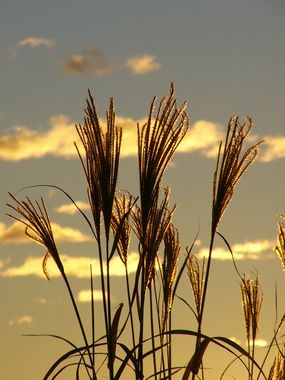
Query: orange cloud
{"x":142,"y":64}
{"x":34,"y":42}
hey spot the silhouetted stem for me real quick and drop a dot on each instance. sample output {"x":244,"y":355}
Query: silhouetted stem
{"x":94,"y":377}
{"x":207,"y":275}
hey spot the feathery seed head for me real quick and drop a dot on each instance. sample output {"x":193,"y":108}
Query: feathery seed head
{"x":196,"y":276}
{"x":230,"y":166}
{"x":38,"y":228}
{"x":157,"y":142}
{"x":120,"y":223}
{"x":252,"y":298}
{"x":280,"y":248}
{"x":169,"y":269}
{"x":102,"y":152}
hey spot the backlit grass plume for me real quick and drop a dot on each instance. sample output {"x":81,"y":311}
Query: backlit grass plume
{"x":280,"y":248}
{"x":252,"y":298}
{"x":121,"y":225}
{"x":101,"y":164}
{"x":169,"y":269}
{"x":231,"y":164}
{"x":277,"y":371}
{"x":38,"y":228}
{"x":157,"y":142}
{"x":196,"y":274}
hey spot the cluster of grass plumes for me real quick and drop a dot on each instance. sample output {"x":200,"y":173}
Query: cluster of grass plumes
{"x":137,"y":340}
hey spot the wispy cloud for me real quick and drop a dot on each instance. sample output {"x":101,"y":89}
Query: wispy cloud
{"x":34,"y":42}
{"x":15,"y":234}
{"x":88,"y":61}
{"x":142,"y":64}
{"x":23,"y":320}
{"x":78,"y":267}
{"x":70,"y":209}
{"x":250,"y":250}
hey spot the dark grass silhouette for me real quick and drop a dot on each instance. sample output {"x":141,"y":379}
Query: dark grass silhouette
{"x":137,"y":339}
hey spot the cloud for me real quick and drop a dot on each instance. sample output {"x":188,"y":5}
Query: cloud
{"x":250,"y":250}
{"x":142,"y":64}
{"x":88,"y":61}
{"x":273,"y":148}
{"x":260,"y":343}
{"x":34,"y":42}
{"x":70,"y":209}
{"x":15,"y":233}
{"x":25,"y":319}
{"x":78,"y":267}
{"x":204,"y":136}
{"x":85,"y":296}
{"x":22,"y":143}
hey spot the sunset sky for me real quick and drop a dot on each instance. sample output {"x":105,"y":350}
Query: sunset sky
{"x":226,"y":58}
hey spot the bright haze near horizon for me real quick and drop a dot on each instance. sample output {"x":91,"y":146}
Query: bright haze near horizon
{"x":226,"y":58}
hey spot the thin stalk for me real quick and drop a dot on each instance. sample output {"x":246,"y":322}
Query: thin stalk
{"x":252,"y":356}
{"x":200,"y":316}
{"x":111,"y":367}
{"x":152,"y":333}
{"x":130,"y":307}
{"x":103,"y":286}
{"x":92,"y":317}
{"x":162,"y":364}
{"x":94,"y":377}
{"x":169,"y":348}
{"x":141,"y":320}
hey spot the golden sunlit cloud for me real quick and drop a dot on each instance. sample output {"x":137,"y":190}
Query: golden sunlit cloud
{"x":85,"y":296}
{"x":250,"y":250}
{"x":34,"y":42}
{"x":70,"y":209}
{"x":142,"y":64}
{"x":58,"y":140}
{"x":24,"y":143}
{"x":273,"y":148}
{"x":25,"y":319}
{"x":15,"y":234}
{"x":260,"y":343}
{"x":88,"y":61}
{"x":78,"y":267}
{"x":204,"y":136}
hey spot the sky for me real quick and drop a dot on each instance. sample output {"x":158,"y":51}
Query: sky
{"x":226,"y":58}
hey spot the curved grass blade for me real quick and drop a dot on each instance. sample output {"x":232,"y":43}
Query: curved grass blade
{"x":113,"y":335}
